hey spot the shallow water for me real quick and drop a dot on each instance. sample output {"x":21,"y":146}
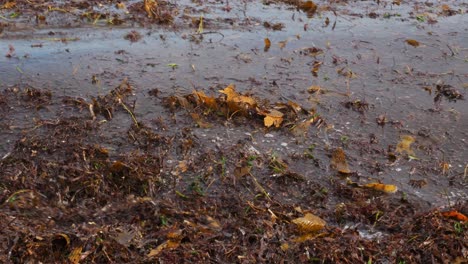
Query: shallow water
{"x":390,"y":76}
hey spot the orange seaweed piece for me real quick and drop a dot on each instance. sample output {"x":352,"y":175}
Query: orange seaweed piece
{"x":338,"y":161}
{"x":267,"y":44}
{"x":387,"y":188}
{"x":75,"y":255}
{"x":9,"y":5}
{"x":233,"y":96}
{"x":272,"y":117}
{"x":209,"y":101}
{"x":405,"y":145}
{"x":456,"y":215}
{"x":150,"y":7}
{"x":309,"y":6}
{"x":412,"y":42}
{"x":309,"y":223}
